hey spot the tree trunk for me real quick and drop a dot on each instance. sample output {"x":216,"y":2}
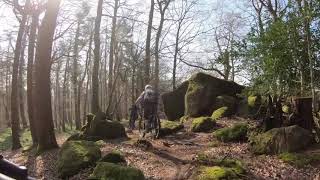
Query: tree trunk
{"x":157,"y":46}
{"x":43,"y":110}
{"x":21,"y":83}
{"x":76,"y":91}
{"x":111,"y":55}
{"x":175,"y":57}
{"x":32,"y":39}
{"x":302,"y":114}
{"x":64,"y":95}
{"x":147,"y":59}
{"x":14,"y":92}
{"x":95,"y":72}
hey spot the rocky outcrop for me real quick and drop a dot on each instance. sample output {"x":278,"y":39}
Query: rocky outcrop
{"x":174,"y":102}
{"x":279,"y":140}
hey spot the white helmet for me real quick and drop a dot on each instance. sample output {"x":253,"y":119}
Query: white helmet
{"x":148,"y":87}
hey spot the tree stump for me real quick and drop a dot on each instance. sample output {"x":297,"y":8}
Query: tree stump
{"x":302,"y":114}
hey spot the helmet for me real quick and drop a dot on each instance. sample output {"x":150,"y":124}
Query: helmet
{"x":148,"y":87}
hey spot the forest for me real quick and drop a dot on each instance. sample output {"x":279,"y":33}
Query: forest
{"x":160,"y":89}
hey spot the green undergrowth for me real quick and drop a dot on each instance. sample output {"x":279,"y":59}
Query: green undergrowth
{"x":25,"y":137}
{"x":299,"y":159}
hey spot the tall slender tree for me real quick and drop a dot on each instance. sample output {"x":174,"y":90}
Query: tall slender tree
{"x":147,"y":59}
{"x":42,"y":99}
{"x":95,"y":71}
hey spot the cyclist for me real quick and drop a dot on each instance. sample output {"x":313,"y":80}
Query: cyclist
{"x":148,"y":103}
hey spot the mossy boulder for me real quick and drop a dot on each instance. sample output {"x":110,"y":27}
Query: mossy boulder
{"x":237,"y":132}
{"x":76,"y":155}
{"x":221,"y":169}
{"x":220,"y":113}
{"x":106,"y":129}
{"x":174,"y":102}
{"x":202,"y":124}
{"x":299,"y":159}
{"x":280,"y":140}
{"x":109,"y":171}
{"x":202,"y":92}
{"x":216,"y":173}
{"x":114,"y":157}
{"x":170,"y":127}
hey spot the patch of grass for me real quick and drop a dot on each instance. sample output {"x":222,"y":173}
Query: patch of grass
{"x":298,"y":159}
{"x":238,"y":132}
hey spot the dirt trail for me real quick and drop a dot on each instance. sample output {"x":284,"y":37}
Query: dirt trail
{"x":173,"y":157}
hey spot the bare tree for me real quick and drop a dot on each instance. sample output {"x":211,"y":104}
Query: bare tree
{"x":95,"y":72}
{"x":42,"y":99}
{"x":148,"y":44}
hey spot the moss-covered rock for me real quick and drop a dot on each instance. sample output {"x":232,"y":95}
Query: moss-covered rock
{"x":221,"y":169}
{"x":106,"y":129}
{"x":237,"y":132}
{"x":173,"y":102}
{"x":220,"y":113}
{"x":280,"y":140}
{"x":202,"y":92}
{"x":215,"y":173}
{"x":202,"y":124}
{"x":75,"y":155}
{"x":114,"y":157}
{"x":110,"y":171}
{"x":169,"y":127}
{"x":298,"y":159}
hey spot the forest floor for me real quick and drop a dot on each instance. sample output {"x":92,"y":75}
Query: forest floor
{"x":173,"y":157}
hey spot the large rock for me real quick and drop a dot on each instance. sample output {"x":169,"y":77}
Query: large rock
{"x":202,"y":91}
{"x":106,"y":129}
{"x":174,"y":102}
{"x":279,"y":140}
{"x":105,"y":170}
{"x":76,"y":155}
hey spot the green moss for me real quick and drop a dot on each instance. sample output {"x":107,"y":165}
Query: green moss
{"x":216,"y":173}
{"x":252,"y":101}
{"x":238,"y":132}
{"x":222,"y":169}
{"x":109,"y":171}
{"x":6,"y":139}
{"x":75,"y":155}
{"x":286,"y":109}
{"x":114,"y":157}
{"x":203,"y":124}
{"x":219,"y":113}
{"x":298,"y":159}
{"x":259,"y":142}
{"x":170,"y":127}
{"x":235,"y":165}
{"x":184,"y":119}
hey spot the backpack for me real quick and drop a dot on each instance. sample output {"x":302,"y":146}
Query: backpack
{"x":150,"y":97}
